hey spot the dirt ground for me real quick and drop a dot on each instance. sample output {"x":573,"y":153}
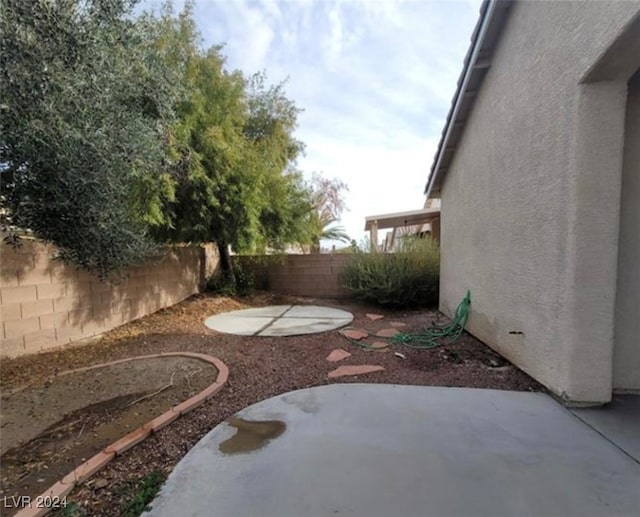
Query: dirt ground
{"x":49,"y":429}
{"x":260,"y":367}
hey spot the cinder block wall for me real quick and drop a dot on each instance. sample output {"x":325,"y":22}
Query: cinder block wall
{"x":316,"y":275}
{"x":45,"y":304}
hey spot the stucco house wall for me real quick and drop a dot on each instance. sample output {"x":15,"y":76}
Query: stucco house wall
{"x":626,"y":351}
{"x":530,"y":202}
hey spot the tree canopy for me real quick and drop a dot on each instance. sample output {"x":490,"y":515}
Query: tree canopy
{"x":327,"y":199}
{"x":121,"y":132}
{"x":85,"y":111}
{"x":236,"y":183}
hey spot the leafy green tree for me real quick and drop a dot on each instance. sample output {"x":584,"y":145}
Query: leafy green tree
{"x":236,"y":184}
{"x":328,"y":203}
{"x":285,"y":198}
{"x":86,"y":106}
{"x":121,"y":131}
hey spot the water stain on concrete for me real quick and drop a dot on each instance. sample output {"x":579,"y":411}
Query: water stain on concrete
{"x":251,"y":435}
{"x":306,"y":402}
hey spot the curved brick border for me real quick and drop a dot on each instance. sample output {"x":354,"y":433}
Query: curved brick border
{"x":97,"y":462}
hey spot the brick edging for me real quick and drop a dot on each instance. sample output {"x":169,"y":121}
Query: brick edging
{"x":87,"y":469}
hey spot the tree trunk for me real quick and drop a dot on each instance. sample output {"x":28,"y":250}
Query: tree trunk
{"x":225,"y":263}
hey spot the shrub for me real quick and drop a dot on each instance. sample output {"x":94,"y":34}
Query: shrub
{"x":242,"y":283}
{"x":407,"y":278}
{"x":146,"y":490}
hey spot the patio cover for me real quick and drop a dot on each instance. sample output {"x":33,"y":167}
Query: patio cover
{"x":398,"y":220}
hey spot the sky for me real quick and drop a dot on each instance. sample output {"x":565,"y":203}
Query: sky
{"x":375,"y":79}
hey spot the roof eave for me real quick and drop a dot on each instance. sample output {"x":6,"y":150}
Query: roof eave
{"x":493,"y":14}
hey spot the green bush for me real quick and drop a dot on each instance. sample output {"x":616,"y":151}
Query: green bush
{"x":406,"y":278}
{"x":242,"y":283}
{"x":146,"y":490}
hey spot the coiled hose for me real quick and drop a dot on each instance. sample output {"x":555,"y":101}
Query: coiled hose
{"x":432,"y":337}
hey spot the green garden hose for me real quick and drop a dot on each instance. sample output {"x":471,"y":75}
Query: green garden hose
{"x":431,"y":337}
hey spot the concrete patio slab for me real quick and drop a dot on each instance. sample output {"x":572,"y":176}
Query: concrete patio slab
{"x":296,"y":326}
{"x":619,"y":421}
{"x":381,"y":450}
{"x":272,"y":311}
{"x":279,"y":320}
{"x":316,"y":311}
{"x":228,"y":324}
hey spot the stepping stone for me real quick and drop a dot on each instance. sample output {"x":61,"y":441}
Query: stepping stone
{"x":377,"y":346}
{"x":375,"y":317}
{"x":338,"y":355}
{"x":359,"y":369}
{"x":387,"y":332}
{"x":397,"y":324}
{"x":354,"y":334}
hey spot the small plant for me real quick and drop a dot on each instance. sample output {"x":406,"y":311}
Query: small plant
{"x":144,"y":493}
{"x":72,"y":509}
{"x":242,"y":283}
{"x":407,"y":278}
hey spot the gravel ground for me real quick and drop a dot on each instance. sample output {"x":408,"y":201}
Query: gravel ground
{"x":259,"y":367}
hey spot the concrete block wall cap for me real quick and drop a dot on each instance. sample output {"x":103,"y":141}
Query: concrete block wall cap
{"x":189,"y":404}
{"x":55,"y":492}
{"x":87,"y":469}
{"x":220,"y":366}
{"x":129,"y":440}
{"x":32,"y":512}
{"x":103,"y":365}
{"x":214,"y":388}
{"x":162,"y":421}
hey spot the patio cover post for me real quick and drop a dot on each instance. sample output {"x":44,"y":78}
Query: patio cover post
{"x":373,"y":235}
{"x":393,"y":238}
{"x":435,"y":230}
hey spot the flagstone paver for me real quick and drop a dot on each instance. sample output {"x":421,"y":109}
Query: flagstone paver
{"x":354,"y":334}
{"x":387,"y":332}
{"x":338,"y":355}
{"x":356,"y":369}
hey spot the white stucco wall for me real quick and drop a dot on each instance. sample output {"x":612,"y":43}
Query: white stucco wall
{"x":529,"y":217}
{"x":626,"y":355}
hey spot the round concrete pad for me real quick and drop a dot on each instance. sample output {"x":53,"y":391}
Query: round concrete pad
{"x":279,"y":320}
{"x":381,"y":450}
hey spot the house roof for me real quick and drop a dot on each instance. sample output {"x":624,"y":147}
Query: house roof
{"x":399,"y":219}
{"x":493,"y":14}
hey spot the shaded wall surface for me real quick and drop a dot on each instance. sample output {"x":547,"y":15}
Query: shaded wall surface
{"x":531,"y":200}
{"x":315,"y":275}
{"x":45,"y":303}
{"x":626,"y":352}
